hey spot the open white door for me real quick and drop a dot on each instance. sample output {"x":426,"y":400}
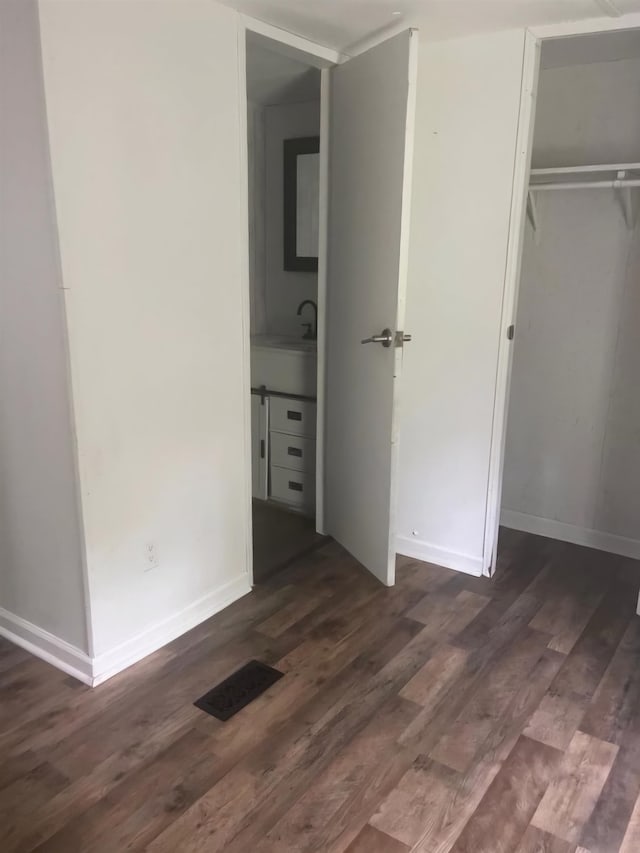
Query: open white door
{"x":370,"y":154}
{"x":518,"y":217}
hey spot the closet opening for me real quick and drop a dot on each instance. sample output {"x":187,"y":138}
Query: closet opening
{"x":283,"y":147}
{"x":571,"y":470}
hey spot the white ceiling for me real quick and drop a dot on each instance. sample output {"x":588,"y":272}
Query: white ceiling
{"x":276,"y":79}
{"x":341,"y":23}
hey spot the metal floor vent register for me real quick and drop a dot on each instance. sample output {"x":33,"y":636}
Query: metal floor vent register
{"x":235,"y":692}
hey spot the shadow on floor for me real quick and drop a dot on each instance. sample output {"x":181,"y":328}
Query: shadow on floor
{"x":280,"y":536}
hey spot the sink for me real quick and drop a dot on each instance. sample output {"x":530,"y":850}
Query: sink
{"x":286,"y":342}
{"x":284,"y":363}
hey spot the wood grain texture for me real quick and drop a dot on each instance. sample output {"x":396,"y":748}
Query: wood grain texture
{"x":279,"y":536}
{"x":572,"y":796}
{"x":370,"y":840}
{"x":536,"y":841}
{"x":613,"y":710}
{"x":579,"y":592}
{"x":557,"y":718}
{"x":441,"y":671}
{"x":311,"y":818}
{"x":465,"y":737}
{"x":512,"y":799}
{"x":448,"y":714}
{"x":444,"y":615}
{"x":420,"y":804}
{"x":631,"y":839}
{"x":605,"y":828}
{"x":565,"y":619}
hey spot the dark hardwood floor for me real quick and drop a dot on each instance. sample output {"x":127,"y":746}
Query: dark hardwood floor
{"x":279,"y":536}
{"x":448,"y":713}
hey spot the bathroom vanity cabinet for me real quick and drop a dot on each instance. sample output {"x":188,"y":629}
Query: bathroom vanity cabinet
{"x":284,"y":449}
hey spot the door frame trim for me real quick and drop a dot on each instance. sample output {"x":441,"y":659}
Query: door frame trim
{"x":534,"y":38}
{"x":323,"y":260}
{"x":245,"y":367}
{"x":296,"y":47}
{"x":588,"y":26}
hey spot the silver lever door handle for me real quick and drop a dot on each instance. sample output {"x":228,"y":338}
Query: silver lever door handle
{"x":385,"y":338}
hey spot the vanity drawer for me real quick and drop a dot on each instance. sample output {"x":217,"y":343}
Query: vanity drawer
{"x":295,"y":417}
{"x":296,"y":488}
{"x":293,"y":451}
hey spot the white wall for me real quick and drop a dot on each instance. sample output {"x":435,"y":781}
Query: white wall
{"x":40,"y":537}
{"x":466,"y":124}
{"x":145,"y":136}
{"x":588,"y":114}
{"x":285,"y":290}
{"x":573,"y":436}
{"x":619,"y":487}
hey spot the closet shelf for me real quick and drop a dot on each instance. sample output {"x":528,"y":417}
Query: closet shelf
{"x":620,"y":177}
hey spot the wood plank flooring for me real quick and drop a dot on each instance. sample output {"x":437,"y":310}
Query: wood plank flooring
{"x":448,"y":714}
{"x":279,"y":536}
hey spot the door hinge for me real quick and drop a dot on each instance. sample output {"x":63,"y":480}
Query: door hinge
{"x":511,"y":331}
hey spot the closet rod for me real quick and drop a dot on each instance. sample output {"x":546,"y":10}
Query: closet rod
{"x":586,"y":185}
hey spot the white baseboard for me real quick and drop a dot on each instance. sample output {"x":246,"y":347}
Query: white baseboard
{"x":428,"y":553}
{"x":571,"y":533}
{"x":46,"y":646}
{"x":115,"y":660}
{"x":94,"y":671}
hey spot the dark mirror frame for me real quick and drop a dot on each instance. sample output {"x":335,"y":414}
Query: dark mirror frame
{"x":292,"y":148}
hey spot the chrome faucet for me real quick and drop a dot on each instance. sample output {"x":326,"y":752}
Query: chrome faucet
{"x":311,"y":333}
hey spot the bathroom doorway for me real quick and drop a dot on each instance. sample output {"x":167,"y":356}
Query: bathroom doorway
{"x":283,"y":147}
{"x":331,"y":452}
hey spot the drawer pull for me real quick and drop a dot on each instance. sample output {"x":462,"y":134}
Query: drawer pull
{"x":295,"y":487}
{"x":294,"y":451}
{"x":292,"y":417}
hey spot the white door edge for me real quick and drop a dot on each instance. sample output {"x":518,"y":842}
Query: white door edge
{"x":517,"y":222}
{"x":403,"y":280}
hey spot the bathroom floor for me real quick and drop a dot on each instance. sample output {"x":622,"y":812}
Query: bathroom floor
{"x":279,"y":536}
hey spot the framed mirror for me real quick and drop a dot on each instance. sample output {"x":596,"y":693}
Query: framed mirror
{"x":301,"y":199}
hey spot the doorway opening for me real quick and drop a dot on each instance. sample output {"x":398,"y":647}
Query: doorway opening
{"x":283,"y":147}
{"x":324,"y":407}
{"x":571,"y":446}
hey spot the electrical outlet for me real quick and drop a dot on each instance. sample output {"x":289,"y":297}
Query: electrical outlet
{"x":151,"y":557}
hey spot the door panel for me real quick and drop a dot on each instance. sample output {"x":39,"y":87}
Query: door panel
{"x":371,"y":138}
